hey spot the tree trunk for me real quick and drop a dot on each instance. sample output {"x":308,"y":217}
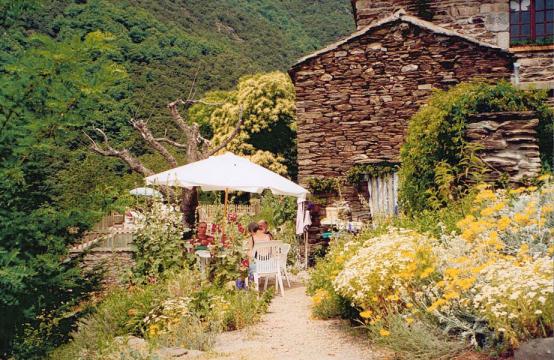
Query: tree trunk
{"x":189,"y":203}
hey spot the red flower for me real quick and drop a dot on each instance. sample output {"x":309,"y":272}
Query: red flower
{"x":245,"y":263}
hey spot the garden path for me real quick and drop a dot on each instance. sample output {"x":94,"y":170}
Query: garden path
{"x":287,"y":331}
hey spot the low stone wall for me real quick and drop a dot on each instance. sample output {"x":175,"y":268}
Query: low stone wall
{"x":509,"y":141}
{"x":115,"y":264}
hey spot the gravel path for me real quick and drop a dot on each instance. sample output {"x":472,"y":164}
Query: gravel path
{"x":288,"y":332}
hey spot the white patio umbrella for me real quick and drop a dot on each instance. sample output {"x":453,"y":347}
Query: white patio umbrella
{"x":227,"y":172}
{"x":145,"y":191}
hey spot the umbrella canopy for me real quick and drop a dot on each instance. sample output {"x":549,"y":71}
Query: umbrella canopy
{"x":227,"y":172}
{"x":145,"y":191}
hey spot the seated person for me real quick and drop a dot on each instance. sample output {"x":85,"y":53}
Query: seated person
{"x":263,"y":225}
{"x":201,"y":238}
{"x":256,"y":235}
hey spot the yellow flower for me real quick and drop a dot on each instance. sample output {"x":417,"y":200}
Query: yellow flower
{"x":487,"y":211}
{"x":428,"y":271}
{"x":409,"y":320}
{"x":409,"y":305}
{"x":460,"y":260}
{"x":483,"y":186}
{"x":546,"y":209}
{"x":484,"y":196}
{"x":393,"y":297}
{"x":384,"y":332}
{"x":544,"y":177}
{"x":366,"y":314}
{"x":437,"y":304}
{"x":532,"y":188}
{"x":521,"y":219}
{"x":468,"y":235}
{"x":452,"y":272}
{"x":503,"y":223}
{"x":153,"y":330}
{"x":465,"y":284}
{"x":451,"y":295}
{"x":517,"y":191}
{"x":499,"y":206}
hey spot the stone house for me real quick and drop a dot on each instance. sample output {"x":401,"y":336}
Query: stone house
{"x":355,"y":96}
{"x":525,"y":27}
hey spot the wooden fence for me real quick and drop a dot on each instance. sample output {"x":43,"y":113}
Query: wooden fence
{"x":210,"y":213}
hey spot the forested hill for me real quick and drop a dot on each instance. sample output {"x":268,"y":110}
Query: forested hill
{"x":164,"y":42}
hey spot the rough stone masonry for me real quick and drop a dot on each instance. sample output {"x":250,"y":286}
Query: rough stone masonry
{"x":354,"y":99}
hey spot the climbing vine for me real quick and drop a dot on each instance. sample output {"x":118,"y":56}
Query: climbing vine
{"x":355,"y":175}
{"x":438,"y":165}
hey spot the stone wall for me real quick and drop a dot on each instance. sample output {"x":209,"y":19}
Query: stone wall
{"x":115,"y":264}
{"x":486,"y":20}
{"x":509,"y":141}
{"x":354,"y":101}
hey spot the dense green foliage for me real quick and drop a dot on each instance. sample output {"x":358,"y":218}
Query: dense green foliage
{"x":69,"y":65}
{"x":437,"y":161}
{"x":47,"y":89}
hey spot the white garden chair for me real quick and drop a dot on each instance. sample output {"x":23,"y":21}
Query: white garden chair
{"x":267,"y":257}
{"x":285,"y":248}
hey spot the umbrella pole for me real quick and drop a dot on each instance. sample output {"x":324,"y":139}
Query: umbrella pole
{"x":225,"y":212}
{"x":306,"y":249}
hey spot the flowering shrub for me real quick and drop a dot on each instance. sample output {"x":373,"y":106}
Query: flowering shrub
{"x":167,"y":315}
{"x":384,"y":272}
{"x":516,"y":297}
{"x":158,"y":241}
{"x":490,"y":282}
{"x":505,"y":220}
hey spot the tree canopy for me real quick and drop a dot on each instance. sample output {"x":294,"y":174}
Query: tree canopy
{"x":268,"y":136}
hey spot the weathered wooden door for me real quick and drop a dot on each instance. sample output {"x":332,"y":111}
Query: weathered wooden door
{"x":383,"y":195}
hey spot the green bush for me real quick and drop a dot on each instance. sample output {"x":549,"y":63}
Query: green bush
{"x":324,"y":185}
{"x":438,"y":165}
{"x":119,"y":314}
{"x":159,"y":243}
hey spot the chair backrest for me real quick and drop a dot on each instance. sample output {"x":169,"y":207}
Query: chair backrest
{"x":284,"y":252}
{"x":267,"y":256}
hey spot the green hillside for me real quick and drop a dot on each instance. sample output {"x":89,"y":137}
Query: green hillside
{"x":68,"y":66}
{"x":163,"y":43}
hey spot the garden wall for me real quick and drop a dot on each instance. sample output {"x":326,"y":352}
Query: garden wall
{"x":509,"y":141}
{"x":114,"y":264}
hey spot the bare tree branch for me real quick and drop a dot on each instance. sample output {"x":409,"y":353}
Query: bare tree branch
{"x":171,"y":142}
{"x":124,"y":154}
{"x":146,"y":134}
{"x":231,"y":137}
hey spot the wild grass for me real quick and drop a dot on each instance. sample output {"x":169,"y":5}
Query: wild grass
{"x":420,"y":340}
